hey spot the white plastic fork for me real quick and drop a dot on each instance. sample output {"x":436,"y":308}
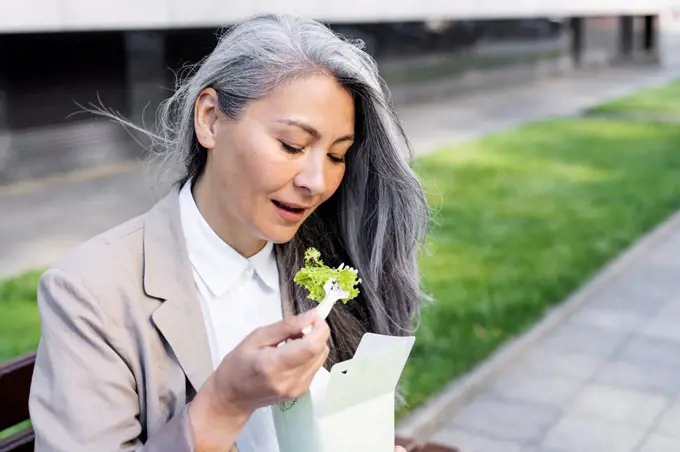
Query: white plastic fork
{"x":333,"y":294}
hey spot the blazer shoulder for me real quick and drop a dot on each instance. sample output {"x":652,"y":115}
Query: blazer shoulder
{"x":107,"y":261}
{"x":99,"y":249}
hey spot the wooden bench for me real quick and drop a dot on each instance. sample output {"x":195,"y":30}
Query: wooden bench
{"x":413,"y":446}
{"x":15,"y":385}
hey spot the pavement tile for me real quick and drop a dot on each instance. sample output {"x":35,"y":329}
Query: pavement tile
{"x":623,"y":406}
{"x":651,"y":377}
{"x":670,"y":422}
{"x":545,"y":361}
{"x":579,"y":434}
{"x":665,"y":324}
{"x":659,"y":443}
{"x":645,"y":350}
{"x":636,"y":300}
{"x":506,"y":420}
{"x":672,"y":308}
{"x":662,"y":328}
{"x":610,"y":318}
{"x":585,"y":339}
{"x":524,"y":385}
{"x":668,"y":254}
{"x":652,"y":278}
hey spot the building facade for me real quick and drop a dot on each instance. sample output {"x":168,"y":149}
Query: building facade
{"x":77,"y":15}
{"x":59,"y":56}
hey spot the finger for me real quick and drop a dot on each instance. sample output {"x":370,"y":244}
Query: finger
{"x":399,"y":449}
{"x":314,"y":365}
{"x":288,"y":328}
{"x":305,"y":378}
{"x":320,"y":333}
{"x":318,"y":363}
{"x":304,"y":351}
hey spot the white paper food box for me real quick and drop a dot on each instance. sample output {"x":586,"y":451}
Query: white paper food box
{"x":351,"y":408}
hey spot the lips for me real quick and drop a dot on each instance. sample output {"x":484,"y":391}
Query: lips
{"x":289,"y":207}
{"x":291,"y":213}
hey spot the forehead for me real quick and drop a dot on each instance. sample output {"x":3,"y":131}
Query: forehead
{"x":318,"y":100}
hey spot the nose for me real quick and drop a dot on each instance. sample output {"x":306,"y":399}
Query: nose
{"x":311,"y":176}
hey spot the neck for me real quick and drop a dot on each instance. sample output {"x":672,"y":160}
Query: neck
{"x":226,"y":226}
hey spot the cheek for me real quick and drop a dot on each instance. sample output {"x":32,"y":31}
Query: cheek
{"x":333,"y":179}
{"x":247,"y":167}
{"x":268,"y":172}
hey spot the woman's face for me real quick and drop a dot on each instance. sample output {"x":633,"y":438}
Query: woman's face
{"x":268,"y":171}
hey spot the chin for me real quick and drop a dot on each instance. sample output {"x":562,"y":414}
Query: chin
{"x":279,"y":235}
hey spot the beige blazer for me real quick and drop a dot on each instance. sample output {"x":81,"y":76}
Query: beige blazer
{"x":124,"y":347}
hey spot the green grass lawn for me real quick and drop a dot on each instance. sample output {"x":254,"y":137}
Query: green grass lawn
{"x":659,"y":101}
{"x":19,"y":322}
{"x":523,"y":218}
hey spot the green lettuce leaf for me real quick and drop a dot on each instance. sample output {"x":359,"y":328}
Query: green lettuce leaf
{"x":315,"y":273}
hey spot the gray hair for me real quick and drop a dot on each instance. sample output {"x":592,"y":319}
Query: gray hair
{"x":377,"y":218}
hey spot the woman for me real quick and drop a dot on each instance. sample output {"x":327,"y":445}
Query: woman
{"x":161,"y":334}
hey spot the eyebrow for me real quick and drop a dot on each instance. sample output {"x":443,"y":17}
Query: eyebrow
{"x":312,"y":131}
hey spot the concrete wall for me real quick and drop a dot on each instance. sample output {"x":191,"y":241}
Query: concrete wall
{"x":78,"y":15}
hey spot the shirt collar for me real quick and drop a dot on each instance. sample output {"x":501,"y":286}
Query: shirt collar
{"x":218,"y":264}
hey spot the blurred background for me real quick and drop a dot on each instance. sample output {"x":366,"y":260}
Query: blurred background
{"x":58,"y":53}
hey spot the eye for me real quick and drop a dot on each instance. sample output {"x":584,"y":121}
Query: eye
{"x":336,"y":158}
{"x":290,"y":149}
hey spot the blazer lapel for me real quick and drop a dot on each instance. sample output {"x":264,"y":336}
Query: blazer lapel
{"x":168,"y":277}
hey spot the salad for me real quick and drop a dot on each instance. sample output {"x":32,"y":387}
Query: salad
{"x":315,"y":276}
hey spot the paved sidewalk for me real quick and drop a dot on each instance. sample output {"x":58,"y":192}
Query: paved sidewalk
{"x":40,"y":222}
{"x":606,"y":380}
{"x":467,"y":117}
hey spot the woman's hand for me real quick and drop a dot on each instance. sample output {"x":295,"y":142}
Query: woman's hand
{"x":399,"y":449}
{"x":258,"y":373}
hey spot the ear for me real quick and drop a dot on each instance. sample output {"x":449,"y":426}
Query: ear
{"x":206,"y":113}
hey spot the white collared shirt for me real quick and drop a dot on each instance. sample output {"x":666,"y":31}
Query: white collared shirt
{"x":237,"y":295}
